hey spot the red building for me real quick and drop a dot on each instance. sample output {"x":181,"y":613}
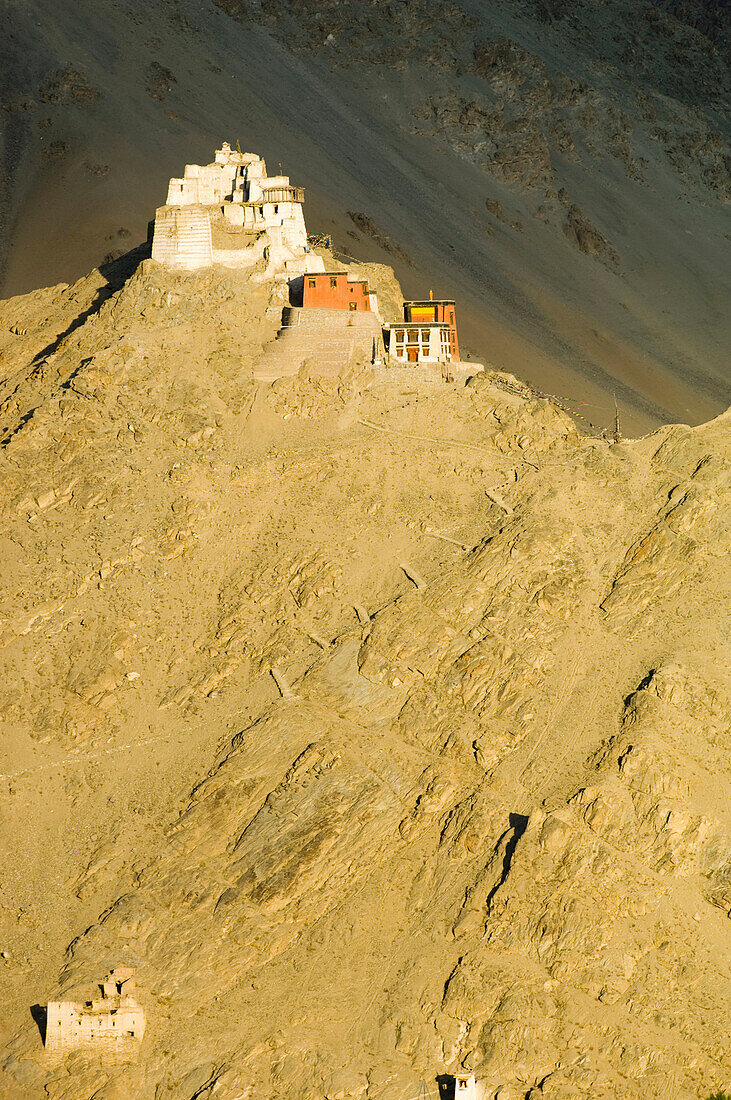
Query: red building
{"x":432,"y":312}
{"x":334,"y":290}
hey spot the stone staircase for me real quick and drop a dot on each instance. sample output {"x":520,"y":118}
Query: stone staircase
{"x":330,"y":339}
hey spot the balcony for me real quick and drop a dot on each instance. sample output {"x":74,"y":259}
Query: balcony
{"x":283,"y":194}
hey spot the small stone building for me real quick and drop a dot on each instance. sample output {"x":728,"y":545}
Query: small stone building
{"x":115,"y":1018}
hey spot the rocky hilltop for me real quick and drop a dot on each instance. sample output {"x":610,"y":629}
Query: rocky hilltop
{"x":561,"y":168}
{"x":381,"y":725}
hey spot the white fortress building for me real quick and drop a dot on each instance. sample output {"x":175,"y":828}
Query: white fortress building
{"x":113,"y":1020}
{"x":231,"y":213}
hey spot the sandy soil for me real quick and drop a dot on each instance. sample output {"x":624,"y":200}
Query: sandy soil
{"x":382,"y":725}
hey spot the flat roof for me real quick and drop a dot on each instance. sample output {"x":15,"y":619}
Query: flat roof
{"x":430,"y":302}
{"x":333,"y":274}
{"x":417,"y":324}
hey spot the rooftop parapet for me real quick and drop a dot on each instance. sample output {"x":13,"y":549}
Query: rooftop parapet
{"x":227,"y":155}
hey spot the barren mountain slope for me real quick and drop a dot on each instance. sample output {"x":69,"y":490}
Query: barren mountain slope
{"x":561,"y":169}
{"x":382,"y":725}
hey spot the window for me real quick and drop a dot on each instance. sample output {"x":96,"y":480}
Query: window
{"x":333,"y":283}
{"x":276,"y":208}
{"x":312,"y":283}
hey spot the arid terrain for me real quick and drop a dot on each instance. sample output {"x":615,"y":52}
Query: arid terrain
{"x":381,"y":724}
{"x":561,"y":169}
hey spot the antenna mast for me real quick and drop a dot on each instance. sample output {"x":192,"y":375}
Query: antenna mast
{"x":617,"y":431}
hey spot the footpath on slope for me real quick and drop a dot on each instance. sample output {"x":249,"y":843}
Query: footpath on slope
{"x":331,"y":338}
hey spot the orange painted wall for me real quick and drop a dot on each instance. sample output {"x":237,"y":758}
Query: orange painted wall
{"x":331,"y":290}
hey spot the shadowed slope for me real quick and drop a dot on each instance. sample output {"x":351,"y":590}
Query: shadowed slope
{"x":511,"y":153}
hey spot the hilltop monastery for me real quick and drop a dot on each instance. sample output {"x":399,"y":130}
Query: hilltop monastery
{"x":232,"y":213}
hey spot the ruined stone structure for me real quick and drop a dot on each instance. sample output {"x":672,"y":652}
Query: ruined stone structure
{"x":230,"y":212}
{"x":113,"y":1019}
